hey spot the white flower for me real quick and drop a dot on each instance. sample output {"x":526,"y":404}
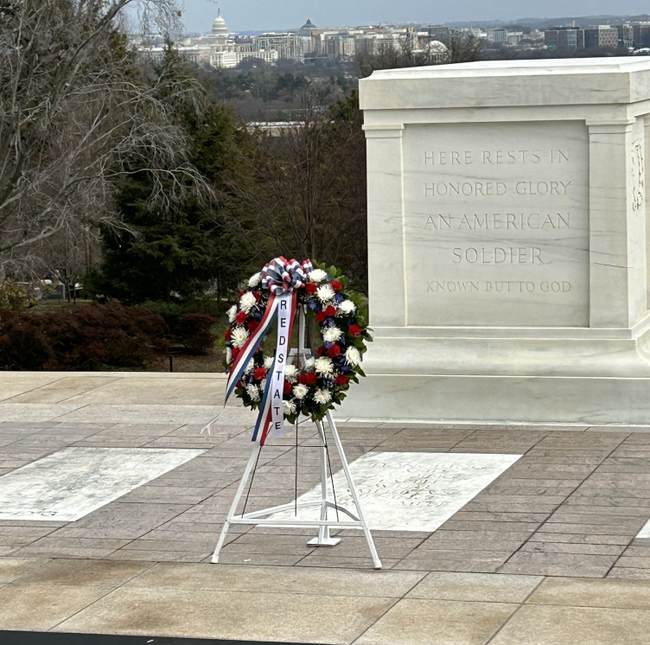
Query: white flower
{"x":325,"y":292}
{"x":289,"y":407}
{"x":268,"y":362}
{"x":255,"y":280}
{"x":238,"y":336}
{"x":300,"y":391}
{"x":228,"y":355}
{"x":347,"y":307}
{"x":332,"y":334}
{"x":232,"y":312}
{"x":310,"y":363}
{"x":317,"y":275}
{"x":253,"y":391}
{"x":291,"y":373}
{"x":322,"y":396}
{"x":247,"y":302}
{"x":249,"y":367}
{"x":352,"y":356}
{"x":323,"y":365}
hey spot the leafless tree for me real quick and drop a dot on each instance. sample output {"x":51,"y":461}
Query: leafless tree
{"x":311,"y":188}
{"x":76,"y":111}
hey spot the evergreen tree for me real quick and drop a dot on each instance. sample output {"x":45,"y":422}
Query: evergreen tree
{"x":195,"y":243}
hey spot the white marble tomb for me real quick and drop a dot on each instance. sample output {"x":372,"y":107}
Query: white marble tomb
{"x":411,"y":491}
{"x":68,"y":484}
{"x":508,"y":242}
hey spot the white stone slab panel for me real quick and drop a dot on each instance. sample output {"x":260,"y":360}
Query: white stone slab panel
{"x":496,"y":224}
{"x":412,"y":491}
{"x":645,"y":531}
{"x":68,"y":484}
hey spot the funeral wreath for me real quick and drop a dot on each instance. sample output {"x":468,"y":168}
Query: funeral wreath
{"x":281,"y":384}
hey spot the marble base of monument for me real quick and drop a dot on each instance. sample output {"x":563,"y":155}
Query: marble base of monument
{"x":505,"y":380}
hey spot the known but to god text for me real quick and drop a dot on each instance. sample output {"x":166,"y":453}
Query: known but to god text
{"x":540,"y":287}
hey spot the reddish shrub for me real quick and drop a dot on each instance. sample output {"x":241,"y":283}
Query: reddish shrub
{"x":194,"y":331}
{"x":23,"y":346}
{"x":90,"y":337}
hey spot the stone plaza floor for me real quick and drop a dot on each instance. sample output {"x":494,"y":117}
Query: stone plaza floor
{"x":549,"y":549}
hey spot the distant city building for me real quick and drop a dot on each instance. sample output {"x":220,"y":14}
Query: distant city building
{"x":338,"y":46}
{"x":274,"y":128}
{"x":641,"y":34}
{"x":625,"y":36}
{"x":222,"y":49}
{"x":601,"y":37}
{"x":437,"y":51}
{"x":288,"y":45}
{"x":564,"y":38}
{"x":514,"y":38}
{"x":228,"y":58}
{"x":497,"y":36}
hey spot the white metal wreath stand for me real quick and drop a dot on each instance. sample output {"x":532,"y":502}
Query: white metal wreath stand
{"x":325,"y":523}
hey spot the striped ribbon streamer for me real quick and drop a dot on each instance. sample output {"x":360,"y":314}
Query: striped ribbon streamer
{"x":282,"y":278}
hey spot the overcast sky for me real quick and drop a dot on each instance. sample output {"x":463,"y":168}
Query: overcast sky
{"x":243,"y":15}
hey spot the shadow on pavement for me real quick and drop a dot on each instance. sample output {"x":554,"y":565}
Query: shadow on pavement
{"x":50,"y":638}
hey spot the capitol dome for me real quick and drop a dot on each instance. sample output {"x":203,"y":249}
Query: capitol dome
{"x":219,"y":25}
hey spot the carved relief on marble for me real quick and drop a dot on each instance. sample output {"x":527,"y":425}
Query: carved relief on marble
{"x":638,"y":177}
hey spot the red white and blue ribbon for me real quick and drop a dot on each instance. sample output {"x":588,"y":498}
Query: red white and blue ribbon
{"x":282,"y":278}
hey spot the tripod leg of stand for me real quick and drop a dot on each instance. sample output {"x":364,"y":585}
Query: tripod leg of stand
{"x":324,"y":538}
{"x":353,"y":491}
{"x":233,"y":507}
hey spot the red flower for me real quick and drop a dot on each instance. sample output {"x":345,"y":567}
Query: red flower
{"x":287,"y":388}
{"x":226,"y":334}
{"x":336,"y":285}
{"x":334,"y":351}
{"x":253,"y":325}
{"x":341,"y":379}
{"x":259,"y":373}
{"x":320,"y":351}
{"x":328,"y":312}
{"x":240,"y":318}
{"x":355,"y":330}
{"x":310,"y":288}
{"x":307,"y":379}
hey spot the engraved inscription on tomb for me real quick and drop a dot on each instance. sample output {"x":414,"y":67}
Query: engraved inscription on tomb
{"x":495,"y":223}
{"x":638,"y":177}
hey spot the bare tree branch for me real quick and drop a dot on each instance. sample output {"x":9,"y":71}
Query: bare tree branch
{"x":76,"y":111}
